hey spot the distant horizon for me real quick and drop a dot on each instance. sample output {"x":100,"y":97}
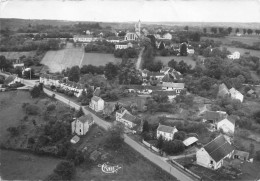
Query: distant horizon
{"x":211,"y":11}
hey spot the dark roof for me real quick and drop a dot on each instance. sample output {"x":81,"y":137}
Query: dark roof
{"x":97,"y":91}
{"x":86,"y":118}
{"x":164,"y":128}
{"x":223,"y":90}
{"x":95,"y":98}
{"x":214,"y":115}
{"x":218,"y":148}
{"x":9,"y":79}
{"x":129,"y":117}
{"x":168,"y":78}
{"x":251,"y":91}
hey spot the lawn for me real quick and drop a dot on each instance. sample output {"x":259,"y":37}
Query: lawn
{"x":99,"y":59}
{"x":25,"y":166}
{"x":61,"y":59}
{"x":17,"y":55}
{"x":187,"y":59}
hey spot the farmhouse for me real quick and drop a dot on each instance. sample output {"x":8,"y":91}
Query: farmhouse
{"x":97,"y":104}
{"x":11,"y":79}
{"x":167,"y":132}
{"x":51,"y":80}
{"x":233,"y":56}
{"x":212,"y":155}
{"x":190,"y":141}
{"x":235,"y":94}
{"x":125,"y":117}
{"x":81,"y":125}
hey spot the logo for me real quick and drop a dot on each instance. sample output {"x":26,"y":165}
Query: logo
{"x":109,"y":168}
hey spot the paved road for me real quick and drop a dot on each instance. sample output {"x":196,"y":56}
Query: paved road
{"x":159,"y":161}
{"x":139,"y":60}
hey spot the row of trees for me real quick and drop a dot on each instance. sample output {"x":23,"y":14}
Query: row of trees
{"x":229,"y":30}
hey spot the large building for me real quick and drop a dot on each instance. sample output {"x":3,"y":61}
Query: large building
{"x":134,"y":36}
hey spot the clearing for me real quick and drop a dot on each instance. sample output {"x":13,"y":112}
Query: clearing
{"x":188,"y":59}
{"x":61,"y":59}
{"x":98,"y":59}
{"x":25,"y":166}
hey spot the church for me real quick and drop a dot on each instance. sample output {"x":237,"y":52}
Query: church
{"x":134,"y":36}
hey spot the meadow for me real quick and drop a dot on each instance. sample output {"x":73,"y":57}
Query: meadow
{"x":98,"y":59}
{"x":187,"y":59}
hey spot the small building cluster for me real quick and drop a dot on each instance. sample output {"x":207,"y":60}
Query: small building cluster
{"x":233,"y":93}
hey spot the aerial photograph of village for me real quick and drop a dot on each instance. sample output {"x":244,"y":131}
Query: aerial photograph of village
{"x":130,"y":90}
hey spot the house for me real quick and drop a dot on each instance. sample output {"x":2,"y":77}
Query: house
{"x":223,"y":90}
{"x":85,"y":38}
{"x":235,"y":94}
{"x":124,"y":46}
{"x":171,"y":86}
{"x":227,"y":125}
{"x":76,"y":88}
{"x":233,"y":56}
{"x":190,"y":141}
{"x":81,"y":125}
{"x":97,"y":104}
{"x":156,"y":75}
{"x":51,"y":80}
{"x":167,"y":132}
{"x":113,"y":39}
{"x":167,"y":36}
{"x":214,"y":116}
{"x":212,"y":155}
{"x":190,"y":51}
{"x":11,"y":79}
{"x":125,"y":117}
{"x":131,"y":36}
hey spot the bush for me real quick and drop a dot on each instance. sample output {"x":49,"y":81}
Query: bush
{"x":173,"y":147}
{"x":180,"y":135}
{"x":51,"y":107}
{"x":65,"y":170}
{"x":36,"y":92}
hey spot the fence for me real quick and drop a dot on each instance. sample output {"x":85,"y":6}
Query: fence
{"x":185,"y":169}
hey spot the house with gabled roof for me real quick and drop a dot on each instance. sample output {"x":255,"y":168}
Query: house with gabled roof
{"x":214,"y":116}
{"x":11,"y":79}
{"x":212,"y":155}
{"x":97,"y":91}
{"x":97,"y":104}
{"x":167,"y":132}
{"x":125,"y":117}
{"x":235,"y":94}
{"x":226,"y":125}
{"x":77,"y":88}
{"x":81,"y":125}
{"x":223,"y":90}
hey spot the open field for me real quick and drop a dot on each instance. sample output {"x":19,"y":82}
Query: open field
{"x":16,"y":55}
{"x":227,"y":40}
{"x":25,"y":166}
{"x":61,"y":59}
{"x":99,"y":59}
{"x":187,"y":59}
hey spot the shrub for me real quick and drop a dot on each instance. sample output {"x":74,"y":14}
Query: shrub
{"x":51,"y":107}
{"x":173,"y":147}
{"x":65,"y":170}
{"x":180,"y":135}
{"x":36,"y":92}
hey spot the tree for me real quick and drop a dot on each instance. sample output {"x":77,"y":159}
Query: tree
{"x":172,"y":63}
{"x":160,"y":142}
{"x":249,"y":31}
{"x":115,"y":139}
{"x":35,"y":92}
{"x":244,"y":31}
{"x":146,"y":126}
{"x":65,"y":170}
{"x":229,"y":30}
{"x":161,"y":46}
{"x":173,"y":147}
{"x":237,"y":30}
{"x":205,"y":30}
{"x":111,"y":71}
{"x":14,"y":131}
{"x":183,"y":49}
{"x":74,"y":74}
{"x":180,"y":135}
{"x":214,"y":30}
{"x":186,"y":28}
{"x":79,"y":113}
{"x":257,"y":117}
{"x":29,"y":73}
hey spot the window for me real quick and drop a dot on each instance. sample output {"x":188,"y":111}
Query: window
{"x":211,"y":162}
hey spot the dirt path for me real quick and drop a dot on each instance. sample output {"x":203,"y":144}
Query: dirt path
{"x":139,"y":60}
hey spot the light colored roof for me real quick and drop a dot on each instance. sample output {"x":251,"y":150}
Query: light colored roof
{"x":95,"y":98}
{"x":9,"y":79}
{"x":234,"y":92}
{"x":86,"y":118}
{"x":167,"y":129}
{"x":173,"y":85}
{"x":223,"y":90}
{"x":189,"y":141}
{"x":75,"y":139}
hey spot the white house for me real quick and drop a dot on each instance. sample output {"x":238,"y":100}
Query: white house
{"x":77,"y":88}
{"x":212,"y":155}
{"x":127,"y":118}
{"x":235,"y":55}
{"x":235,"y":94}
{"x":167,"y":132}
{"x":171,"y":86}
{"x":167,"y":36}
{"x":227,"y":126}
{"x":48,"y":79}
{"x":190,"y":51}
{"x":97,"y":104}
{"x":131,"y":36}
{"x":124,"y":46}
{"x":11,"y":79}
{"x":81,"y":125}
{"x":85,"y":38}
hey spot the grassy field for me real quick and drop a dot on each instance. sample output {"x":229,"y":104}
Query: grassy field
{"x":25,"y":166}
{"x":99,"y":59}
{"x":227,"y":40}
{"x":16,"y":55}
{"x":187,"y":60}
{"x":61,"y":59}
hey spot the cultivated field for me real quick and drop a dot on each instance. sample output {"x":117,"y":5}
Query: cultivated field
{"x":187,"y":59}
{"x":25,"y":166}
{"x":99,"y":59}
{"x":61,"y":59}
{"x":16,"y":55}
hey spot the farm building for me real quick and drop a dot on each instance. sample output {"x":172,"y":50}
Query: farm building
{"x":212,"y":155}
{"x":190,"y":141}
{"x":235,"y":94}
{"x":97,"y":104}
{"x":125,"y":117}
{"x":242,"y":155}
{"x":167,"y":132}
{"x":81,"y":125}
